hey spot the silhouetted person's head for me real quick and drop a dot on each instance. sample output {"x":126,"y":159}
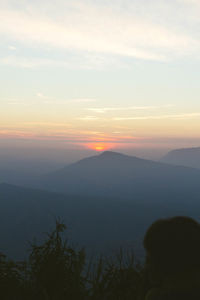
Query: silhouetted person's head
{"x":173,"y":246}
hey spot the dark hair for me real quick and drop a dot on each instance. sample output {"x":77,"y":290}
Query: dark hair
{"x":173,"y":245}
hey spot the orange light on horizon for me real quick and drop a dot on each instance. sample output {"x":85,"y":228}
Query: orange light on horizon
{"x":99,"y":146}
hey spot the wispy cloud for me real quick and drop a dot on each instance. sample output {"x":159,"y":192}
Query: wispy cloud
{"x":41,"y":96}
{"x":29,"y":62}
{"x":12,"y":48}
{"x":83,"y":100}
{"x":89,"y":118}
{"x":170,"y":116}
{"x":48,"y":124}
{"x":132,"y":29}
{"x":126,"y":108}
{"x":79,"y":61}
{"x":67,"y":136}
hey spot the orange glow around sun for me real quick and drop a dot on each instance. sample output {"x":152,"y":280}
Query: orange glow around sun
{"x":99,"y":146}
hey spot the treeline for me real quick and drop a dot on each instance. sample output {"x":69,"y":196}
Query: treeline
{"x":55,"y":270}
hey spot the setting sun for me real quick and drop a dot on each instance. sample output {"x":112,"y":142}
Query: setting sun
{"x":99,"y":146}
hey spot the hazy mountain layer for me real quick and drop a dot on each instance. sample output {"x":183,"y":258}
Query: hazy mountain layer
{"x":100,"y":224}
{"x":189,"y":157}
{"x":119,"y":196}
{"x":113,"y":174}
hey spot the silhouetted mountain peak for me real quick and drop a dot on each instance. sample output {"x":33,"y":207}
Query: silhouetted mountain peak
{"x":111,"y":154}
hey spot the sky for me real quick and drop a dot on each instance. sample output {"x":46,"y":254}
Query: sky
{"x":100,"y":74}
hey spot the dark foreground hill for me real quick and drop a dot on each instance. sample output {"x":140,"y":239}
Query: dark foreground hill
{"x":94,"y":222}
{"x":189,"y":157}
{"x":113,"y":174}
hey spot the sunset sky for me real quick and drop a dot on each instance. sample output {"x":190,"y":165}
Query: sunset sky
{"x":101,"y":74}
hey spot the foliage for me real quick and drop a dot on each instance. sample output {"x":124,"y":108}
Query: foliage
{"x":56,"y":268}
{"x":12,"y":279}
{"x":116,"y":278}
{"x":57,"y":271}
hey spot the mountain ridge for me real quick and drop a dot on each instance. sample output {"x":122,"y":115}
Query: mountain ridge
{"x":94,"y":222}
{"x":114,"y":174}
{"x":189,"y":157}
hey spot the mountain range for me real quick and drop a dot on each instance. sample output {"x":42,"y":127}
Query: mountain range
{"x":106,"y":201}
{"x":189,"y":157}
{"x":101,"y":225}
{"x":113,"y":174}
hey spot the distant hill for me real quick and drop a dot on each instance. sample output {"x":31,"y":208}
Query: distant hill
{"x":17,"y":177}
{"x":112,"y":174}
{"x":98,"y":223}
{"x":189,"y":157}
